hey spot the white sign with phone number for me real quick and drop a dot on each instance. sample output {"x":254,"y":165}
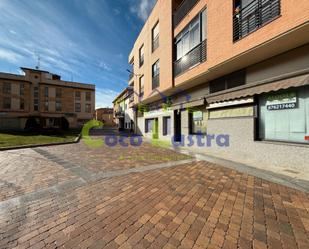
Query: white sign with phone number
{"x":282,"y":101}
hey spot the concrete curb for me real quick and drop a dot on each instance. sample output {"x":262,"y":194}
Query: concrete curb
{"x":76,"y":140}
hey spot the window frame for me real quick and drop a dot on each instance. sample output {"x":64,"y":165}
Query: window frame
{"x":7,"y":100}
{"x":7,"y":88}
{"x":165,"y":131}
{"x":79,"y":107}
{"x":155,"y":38}
{"x":141,"y":55}
{"x":141,"y":87}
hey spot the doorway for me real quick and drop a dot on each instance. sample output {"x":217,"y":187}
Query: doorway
{"x":177,"y":126}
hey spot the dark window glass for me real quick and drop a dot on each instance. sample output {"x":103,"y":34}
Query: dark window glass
{"x":88,"y":108}
{"x":46,"y":91}
{"x":58,"y":106}
{"x":6,"y":103}
{"x":77,"y":95}
{"x":6,"y":88}
{"x":22,"y":89}
{"x":58,"y":92}
{"x":22,"y":104}
{"x":77,"y":107}
{"x":88,"y":96}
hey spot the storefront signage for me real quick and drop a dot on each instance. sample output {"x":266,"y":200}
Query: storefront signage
{"x":197,"y":116}
{"x":281,"y":101}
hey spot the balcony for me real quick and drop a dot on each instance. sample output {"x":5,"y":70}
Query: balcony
{"x":183,"y":10}
{"x":192,"y":58}
{"x":155,"y":81}
{"x":155,"y":43}
{"x":255,"y":15}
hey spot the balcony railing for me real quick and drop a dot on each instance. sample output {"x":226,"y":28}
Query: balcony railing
{"x":195,"y":56}
{"x":155,"y":43}
{"x":155,"y":81}
{"x":183,"y":10}
{"x":253,"y":16}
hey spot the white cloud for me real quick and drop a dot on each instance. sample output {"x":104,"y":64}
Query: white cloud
{"x":9,"y":56}
{"x":142,"y":8}
{"x":105,"y":97}
{"x":104,"y":66}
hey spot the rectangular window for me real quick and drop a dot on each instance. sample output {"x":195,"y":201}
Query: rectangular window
{"x":46,"y":106}
{"x":232,"y":80}
{"x":149,"y":123}
{"x":77,"y":107}
{"x":22,"y":89}
{"x":46,"y":91}
{"x":6,"y":103}
{"x":22,"y":104}
{"x":36,"y":98}
{"x":58,"y":92}
{"x":197,"y":122}
{"x":88,"y":96}
{"x":155,"y":37}
{"x":166,"y":126}
{"x":283,"y":115}
{"x":77,"y":95}
{"x":141,"y":86}
{"x":190,"y":44}
{"x":58,"y":106}
{"x":6,"y":88}
{"x":88,"y":108}
{"x":141,"y":56}
{"x":156,"y":75}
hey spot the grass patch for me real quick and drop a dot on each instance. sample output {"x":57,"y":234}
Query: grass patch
{"x":12,"y":139}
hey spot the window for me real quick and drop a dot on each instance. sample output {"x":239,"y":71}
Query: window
{"x":88,"y":108}
{"x":22,"y":104}
{"x":6,"y":88}
{"x":141,"y":56}
{"x":77,"y":95}
{"x":197,"y":122}
{"x":190,"y":37}
{"x":190,"y":44}
{"x":77,"y":107}
{"x":166,"y":126}
{"x":58,"y":92}
{"x":155,"y":37}
{"x":149,"y":125}
{"x":36,"y":98}
{"x":88,"y":96}
{"x":283,"y":115}
{"x":6,"y":103}
{"x":46,"y":91}
{"x":58,"y":106}
{"x":232,"y":80}
{"x":250,"y":15}
{"x":46,"y":105}
{"x":156,"y":75}
{"x":141,"y":86}
{"x":22,"y":89}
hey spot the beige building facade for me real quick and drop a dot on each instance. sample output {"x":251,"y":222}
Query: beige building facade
{"x":232,"y":72}
{"x":39,"y":99}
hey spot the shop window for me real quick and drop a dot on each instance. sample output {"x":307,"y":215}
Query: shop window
{"x":284,"y":116}
{"x":166,"y":126}
{"x":197,"y":122}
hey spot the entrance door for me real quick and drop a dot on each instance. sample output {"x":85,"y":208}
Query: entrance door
{"x":177,"y":126}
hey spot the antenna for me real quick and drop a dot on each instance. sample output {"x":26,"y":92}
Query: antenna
{"x":39,"y":61}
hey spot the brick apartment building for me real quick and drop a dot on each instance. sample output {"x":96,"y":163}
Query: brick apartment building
{"x":123,"y":110}
{"x":39,"y":99}
{"x":239,"y":68}
{"x":105,"y":115}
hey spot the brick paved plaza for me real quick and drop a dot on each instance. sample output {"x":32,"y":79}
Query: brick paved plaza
{"x":71,"y":196}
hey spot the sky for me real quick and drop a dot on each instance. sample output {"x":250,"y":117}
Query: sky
{"x":82,"y":40}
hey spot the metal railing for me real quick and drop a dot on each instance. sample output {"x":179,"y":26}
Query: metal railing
{"x":155,"y":43}
{"x":253,"y":16}
{"x":183,"y":10}
{"x":195,"y":56}
{"x":155,"y":81}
